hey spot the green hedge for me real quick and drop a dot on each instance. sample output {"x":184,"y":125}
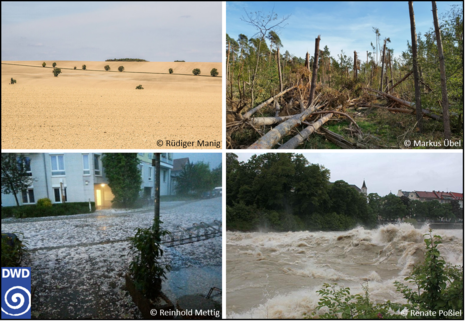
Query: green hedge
{"x":26,"y":211}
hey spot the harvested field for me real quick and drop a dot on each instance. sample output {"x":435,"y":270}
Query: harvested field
{"x":93,"y":108}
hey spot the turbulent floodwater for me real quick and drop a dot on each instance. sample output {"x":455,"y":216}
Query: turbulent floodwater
{"x":276,"y":275}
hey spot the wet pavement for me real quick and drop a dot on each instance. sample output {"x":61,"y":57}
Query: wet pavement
{"x":78,"y":262}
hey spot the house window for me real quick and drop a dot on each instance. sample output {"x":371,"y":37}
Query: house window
{"x":150,"y":173}
{"x":58,"y":165}
{"x":97,"y":170}
{"x":163,"y":155}
{"x":57,"y":193}
{"x":85,"y":164}
{"x":27,"y":165}
{"x":28,"y":196}
{"x":164,"y":176}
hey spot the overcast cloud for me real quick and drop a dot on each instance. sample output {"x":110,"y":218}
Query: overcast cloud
{"x":389,"y":172}
{"x":95,"y":31}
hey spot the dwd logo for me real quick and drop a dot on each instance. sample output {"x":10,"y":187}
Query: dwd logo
{"x":16,"y":293}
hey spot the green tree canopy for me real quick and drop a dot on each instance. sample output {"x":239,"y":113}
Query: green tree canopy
{"x":16,"y":175}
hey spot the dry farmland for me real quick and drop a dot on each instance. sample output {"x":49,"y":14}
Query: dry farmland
{"x":98,"y":109}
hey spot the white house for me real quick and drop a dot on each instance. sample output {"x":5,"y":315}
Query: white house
{"x":80,"y":177}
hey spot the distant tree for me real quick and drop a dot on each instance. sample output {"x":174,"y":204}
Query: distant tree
{"x":457,"y":210}
{"x":12,"y":81}
{"x":170,"y":70}
{"x":214,"y":72}
{"x":15,"y":174}
{"x":54,"y":64}
{"x":56,"y":71}
{"x":84,"y":67}
{"x":393,"y":208}
{"x":139,"y":87}
{"x":124,"y":177}
{"x":74,"y":67}
{"x":44,"y":64}
{"x":121,"y":68}
{"x":107,"y":67}
{"x":217,"y":175}
{"x":194,"y":179}
{"x":196,"y":71}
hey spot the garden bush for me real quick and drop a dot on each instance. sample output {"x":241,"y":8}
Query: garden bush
{"x":196,"y":71}
{"x":170,"y":70}
{"x":121,"y":68}
{"x":27,"y":211}
{"x":12,"y":250}
{"x":54,"y":64}
{"x":44,"y":202}
{"x":84,"y":67}
{"x":44,"y":64}
{"x":13,"y":81}
{"x":214,"y":72}
{"x":107,"y":67}
{"x":56,"y":71}
{"x":139,"y":87}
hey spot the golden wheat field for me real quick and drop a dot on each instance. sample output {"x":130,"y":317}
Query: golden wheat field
{"x":98,"y":109}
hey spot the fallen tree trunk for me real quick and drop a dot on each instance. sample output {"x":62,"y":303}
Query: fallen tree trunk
{"x":263,"y":121}
{"x":400,"y":81}
{"x":263,"y":104}
{"x":408,"y":104}
{"x":340,"y":140}
{"x":276,"y":134}
{"x":303,"y":135}
{"x":339,"y":113}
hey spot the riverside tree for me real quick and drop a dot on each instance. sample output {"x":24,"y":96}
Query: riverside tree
{"x":124,"y":177}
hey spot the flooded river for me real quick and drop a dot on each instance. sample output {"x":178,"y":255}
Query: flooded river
{"x":276,"y":275}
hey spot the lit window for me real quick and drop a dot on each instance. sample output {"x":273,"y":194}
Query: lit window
{"x":58,"y":165}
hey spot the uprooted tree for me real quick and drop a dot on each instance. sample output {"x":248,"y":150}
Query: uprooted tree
{"x":276,"y":100}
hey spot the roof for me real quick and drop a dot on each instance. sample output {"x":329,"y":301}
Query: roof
{"x":178,"y":164}
{"x":430,"y":195}
{"x":364,"y":186}
{"x":458,"y":196}
{"x":356,"y":187}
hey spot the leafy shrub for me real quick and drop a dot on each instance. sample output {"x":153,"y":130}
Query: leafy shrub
{"x":13,"y":81}
{"x":145,"y":269}
{"x":56,"y":71}
{"x":196,"y":71}
{"x":121,"y":68}
{"x":170,"y":70}
{"x":84,"y":67}
{"x":107,"y":67}
{"x":139,"y":87}
{"x":44,"y":202}
{"x":126,"y":59}
{"x":74,"y":67}
{"x":26,"y":211}
{"x":44,"y":64}
{"x":54,"y":64}
{"x":214,"y":72}
{"x":12,"y":250}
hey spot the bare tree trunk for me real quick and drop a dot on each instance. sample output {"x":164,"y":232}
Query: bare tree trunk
{"x":248,"y":114}
{"x":415,"y":68}
{"x":279,"y":70}
{"x":355,"y":65}
{"x":227,"y":62}
{"x":315,"y":70}
{"x":307,"y":61}
{"x":382,"y":66}
{"x":442,"y":68}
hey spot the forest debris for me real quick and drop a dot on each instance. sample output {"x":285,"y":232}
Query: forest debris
{"x":339,"y":113}
{"x":276,"y":134}
{"x":248,"y":114}
{"x":304,"y":134}
{"x":340,"y":140}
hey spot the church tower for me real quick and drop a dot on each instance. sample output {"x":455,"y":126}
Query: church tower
{"x":364,"y":189}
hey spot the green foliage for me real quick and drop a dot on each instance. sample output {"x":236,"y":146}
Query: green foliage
{"x":127,"y":59}
{"x":12,"y":81}
{"x":56,"y":71}
{"x":12,"y":250}
{"x":214,"y":72}
{"x":124,"y":177}
{"x":139,"y":87}
{"x":54,"y":64}
{"x":74,"y":67}
{"x":196,"y":71}
{"x":44,"y":202}
{"x":196,"y":178}
{"x":340,"y":304}
{"x":107,"y":67}
{"x":145,"y":268}
{"x":84,"y":67}
{"x":27,"y":211}
{"x":15,"y":175}
{"x":438,"y":285}
{"x":170,"y":70}
{"x":120,"y":68}
{"x":44,"y":64}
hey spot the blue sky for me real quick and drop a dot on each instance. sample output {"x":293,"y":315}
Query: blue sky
{"x":389,"y":172}
{"x":342,"y":25}
{"x":95,"y":31}
{"x":214,"y":159}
